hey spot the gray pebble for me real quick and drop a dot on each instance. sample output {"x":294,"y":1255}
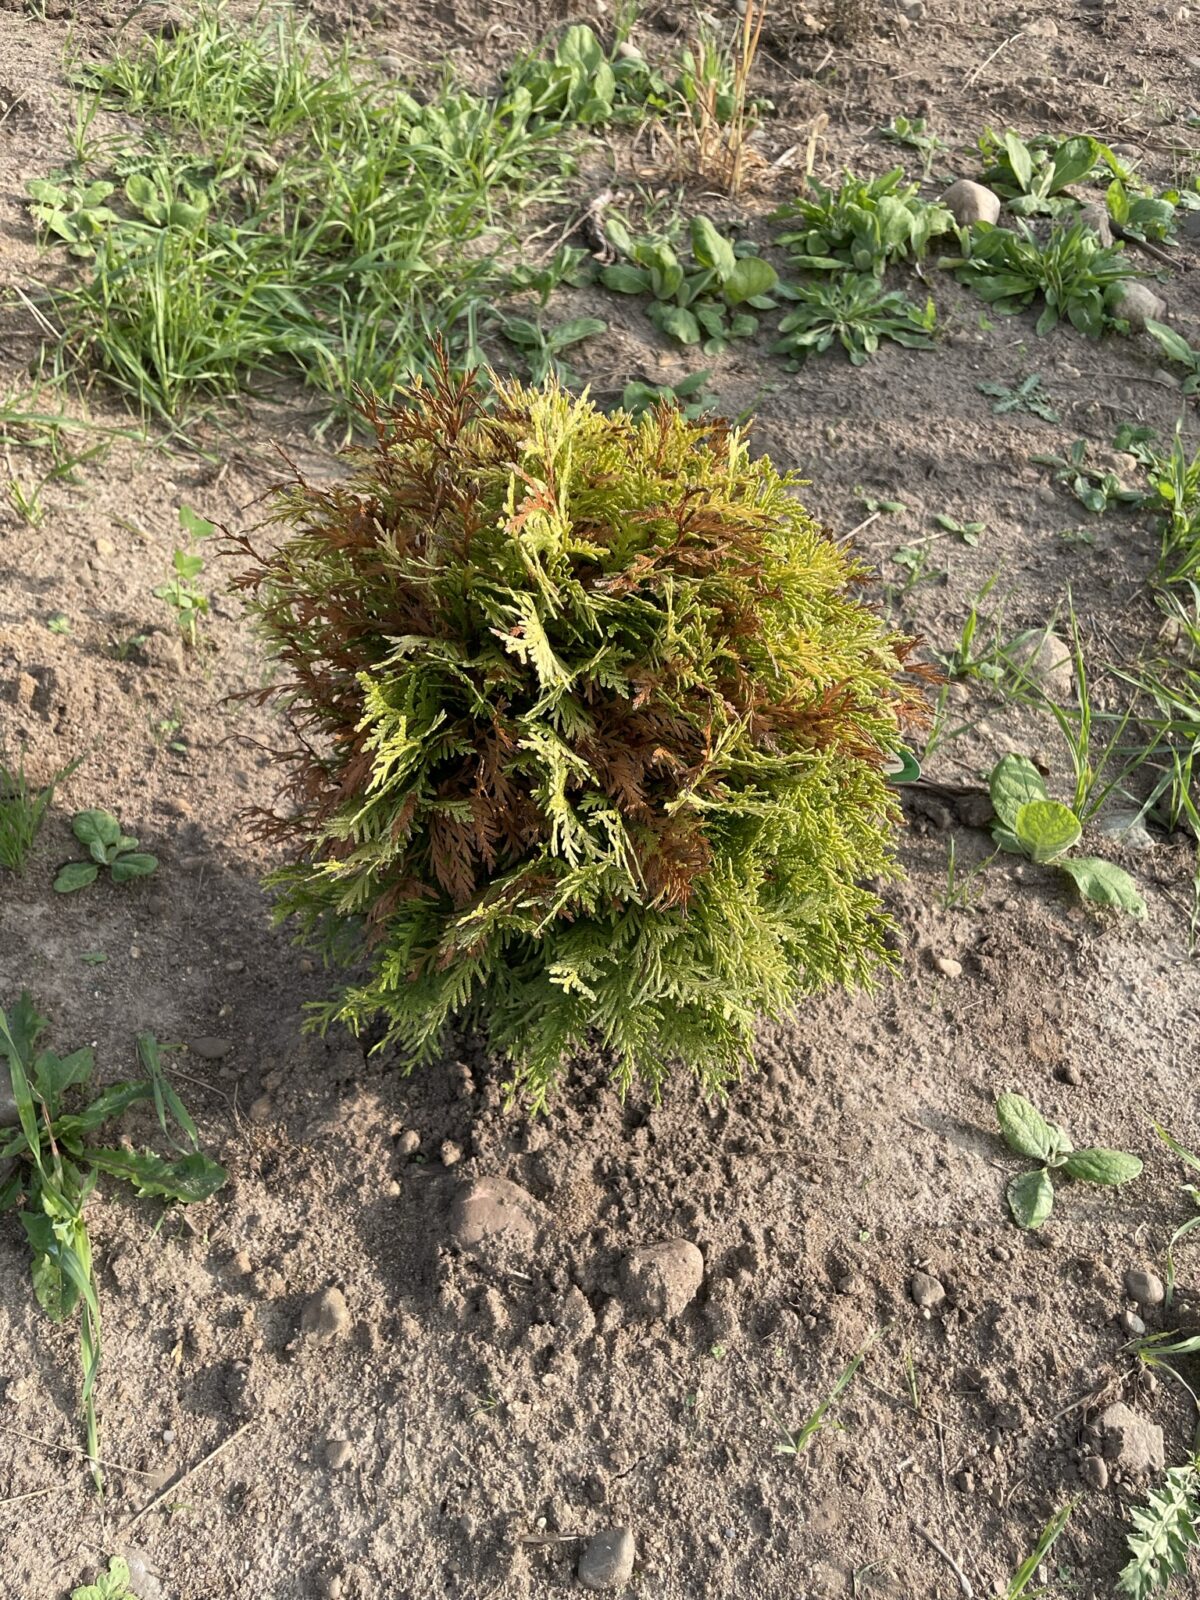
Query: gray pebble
{"x":926,"y":1291}
{"x":1131,"y":1324}
{"x":1094,"y":1472}
{"x":1144,"y":1286}
{"x":210,"y":1049}
{"x":607,"y":1562}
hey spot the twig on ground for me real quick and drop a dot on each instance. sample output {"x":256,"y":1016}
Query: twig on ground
{"x":964,"y":1583}
{"x":188,"y":1471}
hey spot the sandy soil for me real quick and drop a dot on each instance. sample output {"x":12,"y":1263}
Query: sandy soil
{"x":501,"y":1404}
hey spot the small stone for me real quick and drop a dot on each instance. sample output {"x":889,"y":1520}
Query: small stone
{"x":339,"y":1453}
{"x":926,"y":1291}
{"x":1047,"y":658}
{"x":1137,"y":305}
{"x":965,"y":1481}
{"x":331,"y":1586}
{"x":1094,"y":1472}
{"x":240,"y":1263}
{"x":105,"y":547}
{"x":493,"y":1209}
{"x":662,"y":1279}
{"x":851,"y":1284}
{"x":210,"y":1049}
{"x":1132,"y":1442}
{"x":261,"y":1109}
{"x":1069,"y":1073}
{"x":143,"y":1580}
{"x":236,"y":965}
{"x":948,"y":966}
{"x":607,"y":1562}
{"x":451,"y":1153}
{"x":628,"y":52}
{"x":1041,"y":28}
{"x":971,"y":202}
{"x":1130,"y":1323}
{"x":914,"y":10}
{"x":1096,"y":218}
{"x":326,"y":1316}
{"x":409,"y":1142}
{"x":1144,"y":1286}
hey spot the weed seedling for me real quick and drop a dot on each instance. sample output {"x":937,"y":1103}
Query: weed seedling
{"x":1073,"y":272}
{"x":1193,"y":1194}
{"x":795,"y":1443}
{"x":181,"y":593}
{"x":1029,"y":823}
{"x":1029,"y":395}
{"x":1165,"y":1532}
{"x":58,"y":622}
{"x":708,"y":301}
{"x":1027,"y":1133}
{"x":73,"y":213}
{"x":912,"y":131}
{"x":1018,"y":1584}
{"x":864,"y":225}
{"x":1176,"y":348}
{"x":22,"y":811}
{"x":968,"y":532}
{"x":55,"y":1168}
{"x":543,"y":347}
{"x":112,"y":1584}
{"x":1033,"y":178}
{"x":109,"y":848}
{"x":856,"y":312}
{"x":881,"y":507}
{"x":1092,"y":487}
{"x":688,"y":395}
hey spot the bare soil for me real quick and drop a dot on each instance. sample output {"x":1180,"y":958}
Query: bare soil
{"x":503,"y":1405}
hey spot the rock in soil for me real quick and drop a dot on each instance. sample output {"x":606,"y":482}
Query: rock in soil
{"x":1131,"y":1324}
{"x":607,"y":1563}
{"x":210,"y":1049}
{"x":1130,"y":1441}
{"x":1094,"y":1472}
{"x":493,"y":1209}
{"x":971,"y":202}
{"x":1138,"y":305}
{"x":339,"y":1454}
{"x":326,"y":1316}
{"x":662,"y":1279}
{"x":926,"y":1291}
{"x":1047,"y":658}
{"x":1141,"y":1284}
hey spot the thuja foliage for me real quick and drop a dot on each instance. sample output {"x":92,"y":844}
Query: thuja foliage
{"x":590,"y":731}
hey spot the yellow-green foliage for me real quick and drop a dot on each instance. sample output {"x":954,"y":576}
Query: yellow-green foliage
{"x":593,"y":719}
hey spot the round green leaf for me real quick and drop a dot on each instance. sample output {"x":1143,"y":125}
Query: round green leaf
{"x":75,"y":875}
{"x":1031,"y":1198}
{"x":1102,"y":1166}
{"x":136,"y":865}
{"x":1104,"y":883}
{"x":1046,"y":828}
{"x":1025,"y":1129}
{"x":98,"y":830}
{"x":750,"y":278}
{"x":1014,"y":782}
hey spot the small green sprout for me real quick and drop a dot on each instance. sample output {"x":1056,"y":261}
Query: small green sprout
{"x":1027,"y":1133}
{"x":108,"y":847}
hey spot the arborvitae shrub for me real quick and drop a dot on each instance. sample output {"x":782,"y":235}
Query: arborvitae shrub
{"x":590,"y":725}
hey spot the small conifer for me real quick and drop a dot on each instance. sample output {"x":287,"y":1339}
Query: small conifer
{"x":591,"y":719}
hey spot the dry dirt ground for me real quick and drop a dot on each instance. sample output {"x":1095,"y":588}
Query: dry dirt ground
{"x":500,"y":1406}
